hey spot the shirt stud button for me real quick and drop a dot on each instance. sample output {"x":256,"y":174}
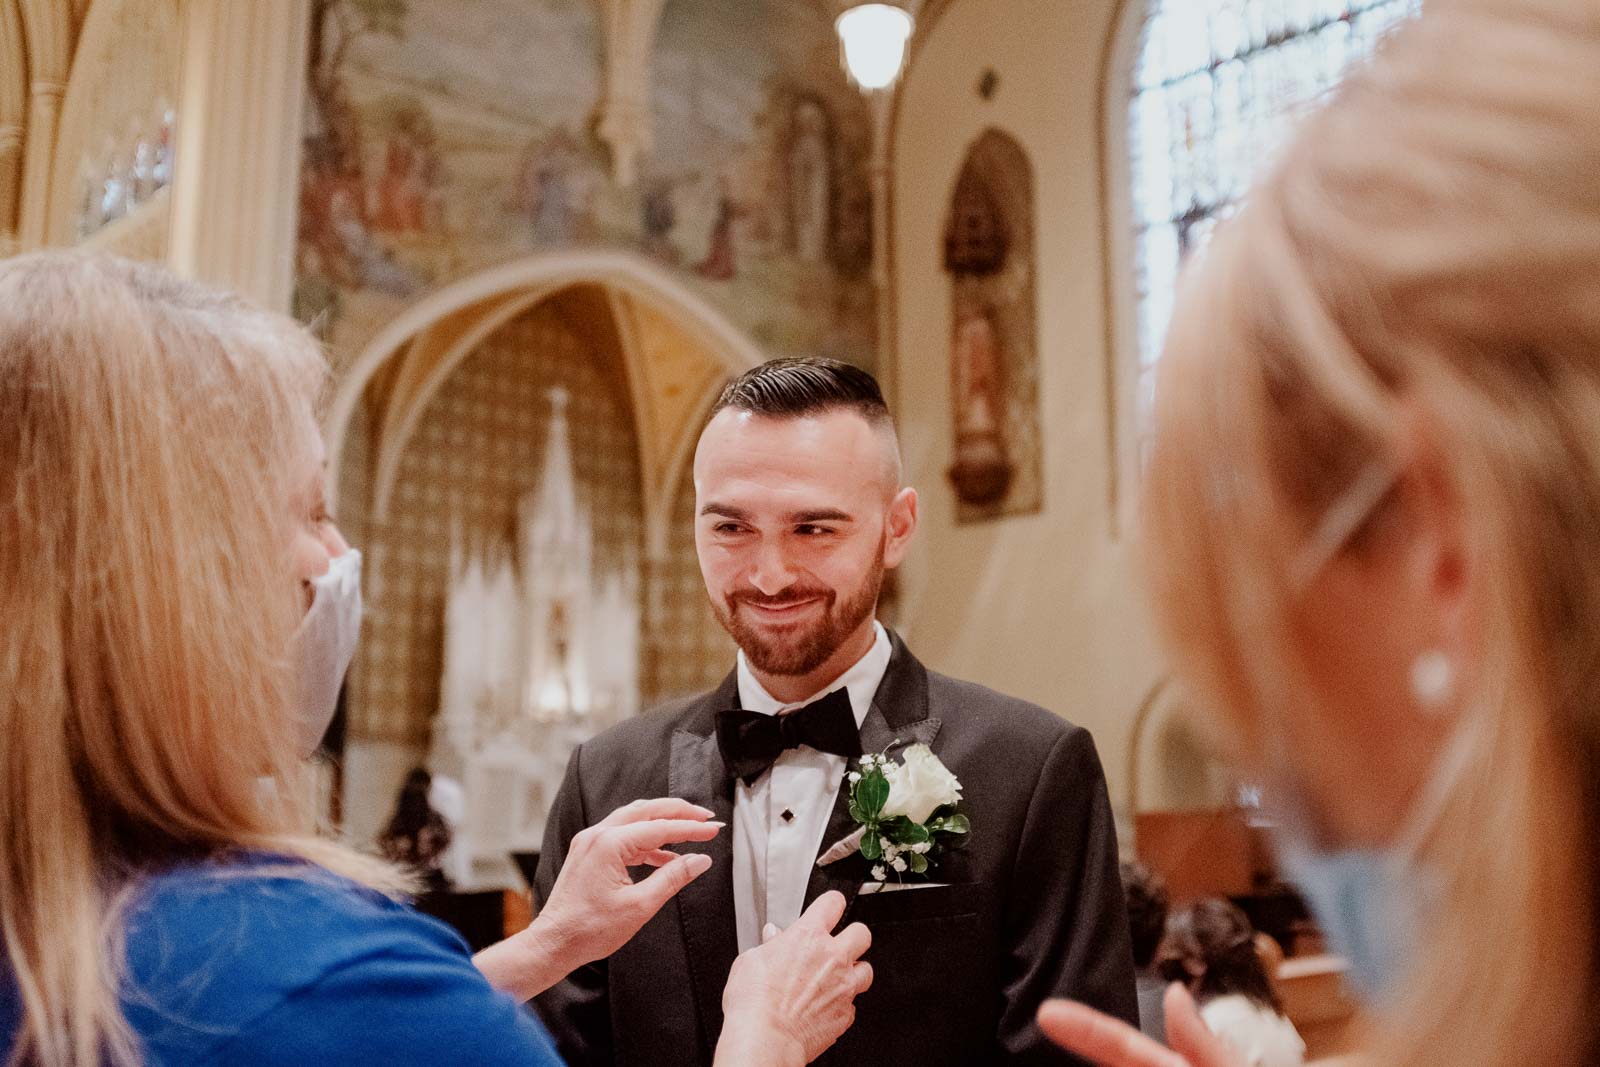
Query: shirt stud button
{"x":788,"y":816}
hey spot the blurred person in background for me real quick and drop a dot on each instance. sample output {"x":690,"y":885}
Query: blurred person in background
{"x":1371,"y":521}
{"x":1211,"y":948}
{"x":1146,"y":894}
{"x":417,"y":837}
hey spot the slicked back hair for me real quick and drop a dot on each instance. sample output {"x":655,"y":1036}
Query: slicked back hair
{"x":811,"y":385}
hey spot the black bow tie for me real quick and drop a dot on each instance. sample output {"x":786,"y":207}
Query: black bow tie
{"x":752,"y":742}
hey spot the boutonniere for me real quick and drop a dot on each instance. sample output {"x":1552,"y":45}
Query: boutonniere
{"x":906,"y":812}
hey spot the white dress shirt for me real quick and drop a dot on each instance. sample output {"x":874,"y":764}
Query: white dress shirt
{"x":773,"y":855}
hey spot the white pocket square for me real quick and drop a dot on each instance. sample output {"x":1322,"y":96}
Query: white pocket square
{"x":897,"y":887}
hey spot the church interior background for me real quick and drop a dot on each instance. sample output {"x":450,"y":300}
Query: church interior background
{"x":537,"y":235}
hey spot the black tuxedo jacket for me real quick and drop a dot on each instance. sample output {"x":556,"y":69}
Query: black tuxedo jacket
{"x":1034,"y":908}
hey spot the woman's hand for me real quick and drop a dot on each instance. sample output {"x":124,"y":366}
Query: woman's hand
{"x":1113,"y":1043}
{"x":790,"y":998}
{"x":595,"y":905}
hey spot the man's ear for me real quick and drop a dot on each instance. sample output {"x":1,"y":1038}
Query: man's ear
{"x":901,"y":525}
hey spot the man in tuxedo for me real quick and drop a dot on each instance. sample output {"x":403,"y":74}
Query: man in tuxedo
{"x":799,"y":512}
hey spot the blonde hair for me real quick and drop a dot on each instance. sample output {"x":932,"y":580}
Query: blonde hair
{"x":1429,"y":242}
{"x":150,"y":434}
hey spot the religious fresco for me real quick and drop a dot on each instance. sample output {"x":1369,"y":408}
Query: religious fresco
{"x":442,"y":139}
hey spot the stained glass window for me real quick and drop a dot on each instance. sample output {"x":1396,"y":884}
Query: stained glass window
{"x":1216,"y":85}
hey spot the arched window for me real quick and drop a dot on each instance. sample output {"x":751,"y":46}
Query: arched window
{"x":1215,"y":85}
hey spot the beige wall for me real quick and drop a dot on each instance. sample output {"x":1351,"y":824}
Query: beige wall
{"x":1045,"y":607}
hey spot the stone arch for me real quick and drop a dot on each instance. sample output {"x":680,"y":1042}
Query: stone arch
{"x":436,"y":333}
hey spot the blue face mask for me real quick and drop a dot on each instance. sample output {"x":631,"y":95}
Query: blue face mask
{"x":1368,"y":903}
{"x":1374,"y":902}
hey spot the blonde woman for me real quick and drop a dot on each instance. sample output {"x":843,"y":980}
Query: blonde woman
{"x":1372,"y":522}
{"x":179,"y":609}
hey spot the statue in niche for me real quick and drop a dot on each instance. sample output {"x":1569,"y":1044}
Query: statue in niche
{"x":982,"y":471}
{"x":810,"y":182}
{"x":997,"y":455}
{"x":977,"y":245}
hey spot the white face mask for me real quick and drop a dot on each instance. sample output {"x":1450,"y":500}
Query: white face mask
{"x":325,"y":645}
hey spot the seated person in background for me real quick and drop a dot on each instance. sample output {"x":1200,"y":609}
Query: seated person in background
{"x":1146,"y":894}
{"x":1211,"y":948}
{"x":417,"y":836}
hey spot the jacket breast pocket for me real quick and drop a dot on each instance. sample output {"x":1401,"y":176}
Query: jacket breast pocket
{"x":935,"y":995}
{"x":935,"y":902}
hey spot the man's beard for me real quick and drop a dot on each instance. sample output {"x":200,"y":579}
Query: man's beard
{"x":801,"y":652}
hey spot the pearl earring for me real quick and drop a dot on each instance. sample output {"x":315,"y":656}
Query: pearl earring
{"x":1433,"y":679}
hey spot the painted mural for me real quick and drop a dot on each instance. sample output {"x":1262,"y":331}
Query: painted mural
{"x":445,"y":138}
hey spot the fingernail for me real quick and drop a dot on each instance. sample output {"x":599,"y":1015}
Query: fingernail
{"x":715,"y":822}
{"x":708,"y":811}
{"x":698,"y":863}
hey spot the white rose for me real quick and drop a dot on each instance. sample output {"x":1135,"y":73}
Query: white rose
{"x":919,"y":784}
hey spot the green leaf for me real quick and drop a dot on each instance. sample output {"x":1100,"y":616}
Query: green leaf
{"x":856,"y":815}
{"x":871,"y":847}
{"x":918,"y":863}
{"x":872,"y":793}
{"x":956,"y":824}
{"x":915,"y":833}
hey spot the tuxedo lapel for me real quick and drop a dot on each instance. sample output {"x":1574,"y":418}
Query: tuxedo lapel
{"x":898,"y":718}
{"x":705,"y":906}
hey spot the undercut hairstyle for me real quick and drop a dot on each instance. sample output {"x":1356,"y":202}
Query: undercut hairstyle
{"x":1148,"y":902}
{"x":796,"y":387}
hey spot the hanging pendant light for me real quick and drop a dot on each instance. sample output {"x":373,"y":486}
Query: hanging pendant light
{"x":873,"y":38}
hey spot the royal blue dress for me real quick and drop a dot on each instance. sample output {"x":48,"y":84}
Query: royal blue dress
{"x":270,"y":961}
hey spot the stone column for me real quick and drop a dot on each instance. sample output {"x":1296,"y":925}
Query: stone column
{"x":236,"y":187}
{"x":47,"y":29}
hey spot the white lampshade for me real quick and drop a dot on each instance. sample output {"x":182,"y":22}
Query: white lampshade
{"x":874,"y":37}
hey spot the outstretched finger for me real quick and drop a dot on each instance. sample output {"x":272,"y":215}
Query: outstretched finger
{"x":862,"y":973}
{"x":638,"y":839}
{"x":825,"y":912}
{"x":1102,"y":1039}
{"x":664,"y":884}
{"x":657,"y":808}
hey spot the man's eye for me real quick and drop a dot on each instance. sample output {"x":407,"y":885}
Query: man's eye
{"x":726,"y":528}
{"x":812,"y":530}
